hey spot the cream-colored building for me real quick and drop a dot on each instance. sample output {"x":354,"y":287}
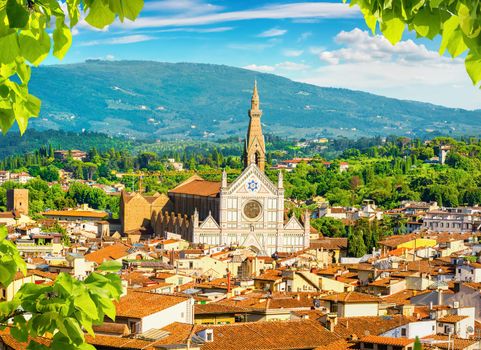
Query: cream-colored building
{"x":352,"y":304}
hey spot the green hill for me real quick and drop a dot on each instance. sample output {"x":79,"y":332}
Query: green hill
{"x":190,"y":101}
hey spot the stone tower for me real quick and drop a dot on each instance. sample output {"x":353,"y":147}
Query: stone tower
{"x":17,"y":200}
{"x":255,"y":149}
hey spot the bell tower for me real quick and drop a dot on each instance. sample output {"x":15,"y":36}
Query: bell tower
{"x":255,"y":149}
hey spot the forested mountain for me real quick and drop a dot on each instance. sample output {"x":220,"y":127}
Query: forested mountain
{"x":191,"y":101}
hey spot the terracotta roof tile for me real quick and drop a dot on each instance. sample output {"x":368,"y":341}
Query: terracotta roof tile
{"x":368,"y":325}
{"x":452,"y":318}
{"x":76,"y":213}
{"x":140,"y":304}
{"x":199,"y":188}
{"x":375,"y":339}
{"x":278,"y":335}
{"x":352,"y":297}
{"x":111,"y":252}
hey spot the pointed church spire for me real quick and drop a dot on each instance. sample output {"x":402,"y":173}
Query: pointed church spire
{"x":224,"y":179}
{"x":255,"y":149}
{"x":255,"y":98}
{"x":280,"y":180}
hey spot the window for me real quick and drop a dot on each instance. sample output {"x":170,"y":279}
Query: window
{"x":134,"y":327}
{"x":403,"y":332}
{"x":333,"y":307}
{"x":368,"y":346}
{"x":209,"y":336}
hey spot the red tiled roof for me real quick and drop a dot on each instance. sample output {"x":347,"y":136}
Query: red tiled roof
{"x":352,"y":297}
{"x":199,"y":187}
{"x":76,"y":213}
{"x":452,"y":318}
{"x":112,"y":252}
{"x":375,"y":339}
{"x":140,"y":304}
{"x":278,"y":335}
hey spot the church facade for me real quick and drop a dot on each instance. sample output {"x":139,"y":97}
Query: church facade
{"x":248,"y":212}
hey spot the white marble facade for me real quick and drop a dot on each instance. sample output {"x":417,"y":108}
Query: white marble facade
{"x":252,"y":215}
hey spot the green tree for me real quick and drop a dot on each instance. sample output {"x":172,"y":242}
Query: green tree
{"x":356,"y":246}
{"x":456,"y":21}
{"x":417,"y":344}
{"x":49,"y":173}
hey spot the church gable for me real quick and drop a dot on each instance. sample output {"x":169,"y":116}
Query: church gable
{"x":293,"y":224}
{"x":209,"y":223}
{"x":252,"y":181}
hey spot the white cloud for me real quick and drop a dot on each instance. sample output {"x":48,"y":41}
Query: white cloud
{"x":304,"y":36}
{"x":260,"y":68}
{"x":283,"y":66}
{"x":272,"y":32}
{"x":292,"y":66}
{"x":359,"y":46}
{"x":191,"y":7}
{"x":406,"y":70}
{"x":292,"y":53}
{"x":277,"y":11}
{"x":249,"y":46}
{"x":192,"y":30}
{"x":445,"y":83}
{"x":316,"y":50}
{"x":128,"y":39}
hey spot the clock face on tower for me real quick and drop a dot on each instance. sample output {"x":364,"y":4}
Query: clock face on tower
{"x":252,"y":209}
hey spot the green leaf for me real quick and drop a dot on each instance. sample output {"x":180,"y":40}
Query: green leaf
{"x":3,"y":233}
{"x":6,"y":276}
{"x":111,"y":266}
{"x":73,"y":12}
{"x":62,"y":39}
{"x":34,"y":48}
{"x":449,"y":26}
{"x":466,"y":22}
{"x":84,"y":303}
{"x":435,"y":3}
{"x":8,"y":48}
{"x":7,"y":118}
{"x":23,"y":71}
{"x":107,"y":306}
{"x":427,"y":23}
{"x":473,"y":67}
{"x":129,"y":9}
{"x":456,"y":45}
{"x":74,"y":332}
{"x":17,"y":14}
{"x":86,"y":322}
{"x":393,"y":29}
{"x":19,"y":333}
{"x":99,"y":15}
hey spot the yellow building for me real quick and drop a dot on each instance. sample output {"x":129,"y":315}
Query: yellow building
{"x":418,"y":243}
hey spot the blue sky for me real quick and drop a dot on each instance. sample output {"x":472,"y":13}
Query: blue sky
{"x":319,"y":42}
